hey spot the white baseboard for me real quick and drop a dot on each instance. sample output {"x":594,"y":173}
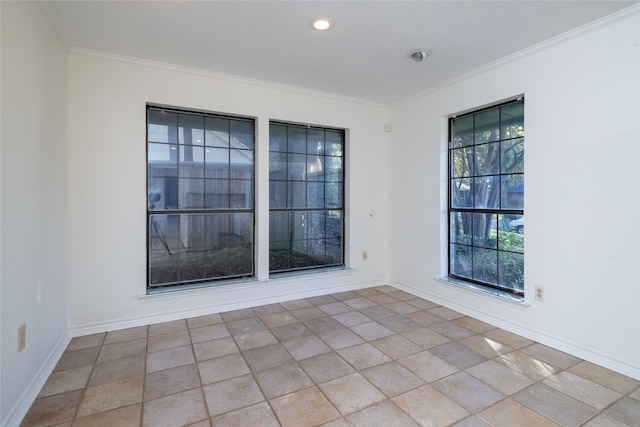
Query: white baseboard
{"x":237,"y":304}
{"x":542,"y":337}
{"x":20,"y":409}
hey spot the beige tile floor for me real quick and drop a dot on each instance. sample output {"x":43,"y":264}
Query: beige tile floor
{"x":372,"y":357}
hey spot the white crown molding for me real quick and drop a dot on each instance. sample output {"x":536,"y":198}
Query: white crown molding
{"x":47,"y":9}
{"x":222,"y":76}
{"x":561,"y":38}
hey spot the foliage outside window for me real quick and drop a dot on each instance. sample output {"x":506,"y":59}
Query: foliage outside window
{"x":200,"y":189}
{"x":306,"y":198}
{"x":486,"y":194}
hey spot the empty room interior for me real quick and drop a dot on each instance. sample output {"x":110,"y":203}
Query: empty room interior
{"x":221,"y":213}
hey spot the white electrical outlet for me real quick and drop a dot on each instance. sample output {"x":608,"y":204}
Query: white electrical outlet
{"x":365,"y":255}
{"x":22,"y":337}
{"x":539,"y":293}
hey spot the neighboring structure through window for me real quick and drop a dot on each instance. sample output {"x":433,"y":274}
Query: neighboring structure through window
{"x":200,"y":187}
{"x":486,"y":192}
{"x":306,"y":198}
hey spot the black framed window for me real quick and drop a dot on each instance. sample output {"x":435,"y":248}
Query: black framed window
{"x":200,"y":189}
{"x":486,"y":197}
{"x":306,"y":197}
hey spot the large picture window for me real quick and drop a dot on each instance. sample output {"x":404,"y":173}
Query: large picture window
{"x":486,"y":197}
{"x":306,"y":198}
{"x":200,"y":189}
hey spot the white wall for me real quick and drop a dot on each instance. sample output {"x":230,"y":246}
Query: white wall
{"x":582,"y":162}
{"x":73,"y":196}
{"x":108,"y":196}
{"x":34,"y":204}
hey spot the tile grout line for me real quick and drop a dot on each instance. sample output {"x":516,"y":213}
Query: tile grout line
{"x":342,"y":297}
{"x":195,"y":362}
{"x":144,"y":382}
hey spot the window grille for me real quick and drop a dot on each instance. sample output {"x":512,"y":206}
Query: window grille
{"x":486,"y":197}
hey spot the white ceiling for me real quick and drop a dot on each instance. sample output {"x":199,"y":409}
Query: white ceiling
{"x":363,"y":56}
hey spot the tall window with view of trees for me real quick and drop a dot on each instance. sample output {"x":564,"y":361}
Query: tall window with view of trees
{"x":486,"y":194}
{"x":306,"y":197}
{"x":200,"y":189}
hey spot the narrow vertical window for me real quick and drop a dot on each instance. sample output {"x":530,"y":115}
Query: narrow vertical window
{"x":486,"y":197}
{"x":306,"y":198}
{"x":200,"y":189}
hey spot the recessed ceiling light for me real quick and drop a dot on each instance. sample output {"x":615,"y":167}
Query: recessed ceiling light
{"x":419,"y":55}
{"x":321,"y":24}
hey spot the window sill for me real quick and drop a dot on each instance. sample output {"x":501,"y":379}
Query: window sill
{"x":234,"y":285}
{"x":506,"y":297}
{"x":310,"y":274}
{"x":199,"y":289}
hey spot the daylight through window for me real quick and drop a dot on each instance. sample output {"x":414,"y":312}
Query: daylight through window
{"x":486,"y":197}
{"x":200,"y":189}
{"x":306,"y":198}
